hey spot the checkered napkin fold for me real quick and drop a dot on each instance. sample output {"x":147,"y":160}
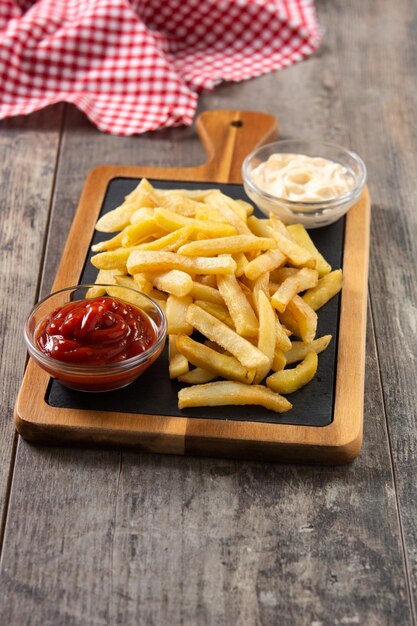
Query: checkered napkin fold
{"x":138,"y":65}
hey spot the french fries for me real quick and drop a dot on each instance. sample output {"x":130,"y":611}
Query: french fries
{"x":251,"y":287}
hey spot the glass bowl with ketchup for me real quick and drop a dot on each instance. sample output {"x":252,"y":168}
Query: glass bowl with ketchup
{"x":92,"y":341}
{"x":306,"y":182}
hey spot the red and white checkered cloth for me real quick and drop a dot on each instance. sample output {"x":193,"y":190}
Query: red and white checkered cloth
{"x":138,"y":65}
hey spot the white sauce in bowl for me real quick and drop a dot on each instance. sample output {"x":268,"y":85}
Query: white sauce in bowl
{"x":301,"y":178}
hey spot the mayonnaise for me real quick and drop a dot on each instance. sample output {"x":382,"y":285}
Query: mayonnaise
{"x":298,"y":177}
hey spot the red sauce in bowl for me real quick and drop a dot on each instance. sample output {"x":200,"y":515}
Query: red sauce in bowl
{"x":97,"y":331}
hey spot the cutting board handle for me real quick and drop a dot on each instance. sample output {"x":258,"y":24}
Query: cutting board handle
{"x":228,"y":137}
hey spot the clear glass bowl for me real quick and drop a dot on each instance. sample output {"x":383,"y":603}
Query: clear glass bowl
{"x":310,"y":214}
{"x":96,"y":377}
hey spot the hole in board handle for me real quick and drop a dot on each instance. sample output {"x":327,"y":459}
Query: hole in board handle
{"x":237,"y":123}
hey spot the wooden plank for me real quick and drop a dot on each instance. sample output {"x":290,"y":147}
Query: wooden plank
{"x":28,"y":149}
{"x":339,"y":442}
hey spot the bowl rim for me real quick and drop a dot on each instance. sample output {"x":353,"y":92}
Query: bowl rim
{"x":101,"y":369}
{"x":319,"y":204}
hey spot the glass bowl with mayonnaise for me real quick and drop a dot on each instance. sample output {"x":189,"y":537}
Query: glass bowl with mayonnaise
{"x":307,"y":182}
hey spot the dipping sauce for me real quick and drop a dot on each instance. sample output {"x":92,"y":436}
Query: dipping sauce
{"x":97,"y":331}
{"x":301,"y":178}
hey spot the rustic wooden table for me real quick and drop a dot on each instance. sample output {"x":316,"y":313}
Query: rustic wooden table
{"x":112,"y":537}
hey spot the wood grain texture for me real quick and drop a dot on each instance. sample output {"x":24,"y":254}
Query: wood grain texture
{"x":131,"y":539}
{"x":339,"y":442}
{"x":28,"y":154}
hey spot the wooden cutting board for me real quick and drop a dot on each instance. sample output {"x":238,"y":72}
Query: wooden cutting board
{"x":328,"y":426}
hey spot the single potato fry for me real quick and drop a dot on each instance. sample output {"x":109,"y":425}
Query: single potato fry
{"x":264,"y":263}
{"x":267,"y":335}
{"x":178,"y":363}
{"x":113,"y":259}
{"x":220,"y":364}
{"x":298,"y":255}
{"x":227,"y":245}
{"x":170,"y":242}
{"x":197,"y":376}
{"x":150,"y":261}
{"x":200,"y":291}
{"x":301,"y":236}
{"x":241,"y":312}
{"x":302,"y":280}
{"x":213,"y":329}
{"x":175,"y":282}
{"x":290,"y":380}
{"x":300,"y":349}
{"x":176,"y":312}
{"x":300,"y":318}
{"x":280,"y":360}
{"x":327,"y":288}
{"x":219,"y":311}
{"x":225,"y":393}
{"x":169,"y":221}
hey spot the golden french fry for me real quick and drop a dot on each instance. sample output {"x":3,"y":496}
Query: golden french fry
{"x":143,"y":283}
{"x":113,"y":259}
{"x":135,"y":233}
{"x":169,"y":221}
{"x":266,"y":262}
{"x":204,"y":292}
{"x":176,"y":312}
{"x":305,"y":319}
{"x":280,"y":360}
{"x":174,"y":281}
{"x":141,"y":214}
{"x":109,"y":244}
{"x":302,"y":280}
{"x":267,"y":335}
{"x":104,"y":277}
{"x":217,"y":310}
{"x":225,"y":393}
{"x":280,"y":274}
{"x":117,"y":219}
{"x":241,"y":262}
{"x":144,"y":194}
{"x":301,"y":236}
{"x":240,"y":310}
{"x":178,"y":363}
{"x":227,"y":245}
{"x":290,"y":380}
{"x":155,"y":261}
{"x":283,"y":341}
{"x":327,"y":287}
{"x":130,"y":281}
{"x":220,"y":364}
{"x":197,"y":376}
{"x":137,"y":299}
{"x":213,"y":329}
{"x":260,"y":284}
{"x":300,"y":349}
{"x":170,"y":242}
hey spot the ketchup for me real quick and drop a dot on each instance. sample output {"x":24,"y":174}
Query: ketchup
{"x":96,"y":331}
